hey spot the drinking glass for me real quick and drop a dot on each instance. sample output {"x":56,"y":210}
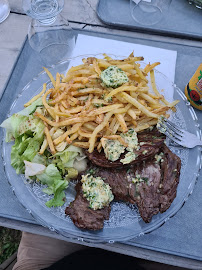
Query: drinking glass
{"x":49,"y":33}
{"x":4,"y":10}
{"x":149,"y":12}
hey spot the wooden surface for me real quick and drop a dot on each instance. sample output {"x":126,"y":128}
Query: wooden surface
{"x":81,"y":14}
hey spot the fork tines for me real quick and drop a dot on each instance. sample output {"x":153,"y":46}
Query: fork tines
{"x":172,"y":131}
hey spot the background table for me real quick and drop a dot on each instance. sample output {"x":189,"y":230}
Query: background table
{"x":82,"y":15}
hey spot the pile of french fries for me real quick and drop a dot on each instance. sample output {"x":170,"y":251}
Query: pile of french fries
{"x":81,"y":110}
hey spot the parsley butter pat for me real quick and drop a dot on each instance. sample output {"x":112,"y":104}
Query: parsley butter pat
{"x":112,"y":149}
{"x":113,"y":77}
{"x":96,"y":191}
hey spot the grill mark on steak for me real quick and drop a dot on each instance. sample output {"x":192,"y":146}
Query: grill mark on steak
{"x":83,"y":216}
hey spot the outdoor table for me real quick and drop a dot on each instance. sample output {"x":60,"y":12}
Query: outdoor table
{"x":82,"y":15}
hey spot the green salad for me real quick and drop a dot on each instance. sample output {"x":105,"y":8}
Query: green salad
{"x":54,"y":171}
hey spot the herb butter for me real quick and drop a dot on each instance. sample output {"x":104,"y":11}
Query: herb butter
{"x":131,"y":139}
{"x":138,"y":179}
{"x":112,"y":149}
{"x":129,"y":157}
{"x":113,"y":77}
{"x":96,"y":191}
{"x":161,"y":124}
{"x":159,"y":158}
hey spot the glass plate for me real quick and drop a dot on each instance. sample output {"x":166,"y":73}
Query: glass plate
{"x":125,"y":222}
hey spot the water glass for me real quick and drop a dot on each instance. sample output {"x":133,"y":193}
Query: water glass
{"x":149,"y":12}
{"x":49,"y":33}
{"x":4,"y":10}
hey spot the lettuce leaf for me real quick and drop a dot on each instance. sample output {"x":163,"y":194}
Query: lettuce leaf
{"x":31,"y":108}
{"x":25,"y":148}
{"x":66,"y":158}
{"x":56,"y":185}
{"x":21,"y":122}
{"x":28,"y":132}
{"x":18,"y":124}
{"x":32,"y":169}
{"x":50,"y":175}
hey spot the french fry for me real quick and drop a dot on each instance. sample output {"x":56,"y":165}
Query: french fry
{"x":48,"y":108}
{"x":149,"y":67}
{"x":138,"y":105}
{"x":121,"y":89}
{"x":49,"y":140}
{"x":116,"y":137}
{"x":70,"y":121}
{"x":85,"y":91}
{"x":61,"y":96}
{"x":43,"y":146}
{"x":149,"y":99}
{"x":36,"y":97}
{"x":145,"y":126}
{"x":140,"y":73}
{"x":50,"y":76}
{"x":97,"y":130}
{"x":84,"y":145}
{"x":81,"y":111}
{"x":74,"y":129}
{"x":86,"y":135}
{"x":74,"y":136}
{"x":57,"y":82}
{"x":132,"y":113}
{"x":122,"y":122}
{"x":96,"y":67}
{"x":105,"y":109}
{"x":153,"y":83}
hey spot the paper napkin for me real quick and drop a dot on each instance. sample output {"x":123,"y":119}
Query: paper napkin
{"x":95,"y":45}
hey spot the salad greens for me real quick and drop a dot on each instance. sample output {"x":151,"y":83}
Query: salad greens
{"x":54,"y":171}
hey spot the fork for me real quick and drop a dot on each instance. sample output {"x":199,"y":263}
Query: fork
{"x":178,"y":135}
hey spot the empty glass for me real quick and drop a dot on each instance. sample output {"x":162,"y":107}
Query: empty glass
{"x":149,"y":12}
{"x":49,"y":33}
{"x":4,"y":10}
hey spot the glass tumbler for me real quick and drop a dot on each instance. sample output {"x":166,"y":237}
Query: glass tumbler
{"x":49,"y":33}
{"x":4,"y":10}
{"x":149,"y":12}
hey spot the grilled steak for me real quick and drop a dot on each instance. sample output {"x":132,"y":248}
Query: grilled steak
{"x":85,"y":217}
{"x":171,"y":167}
{"x":152,"y":140}
{"x":148,"y":202}
{"x":150,"y":182}
{"x":157,"y":190}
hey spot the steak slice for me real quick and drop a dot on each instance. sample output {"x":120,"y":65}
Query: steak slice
{"x":161,"y":190}
{"x":148,"y":202}
{"x":171,"y":167}
{"x":120,"y":183}
{"x":152,"y":140}
{"x":145,"y":194}
{"x":151,"y":196}
{"x":85,"y":217}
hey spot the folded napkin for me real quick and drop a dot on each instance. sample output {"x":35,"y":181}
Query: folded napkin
{"x":86,"y":45}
